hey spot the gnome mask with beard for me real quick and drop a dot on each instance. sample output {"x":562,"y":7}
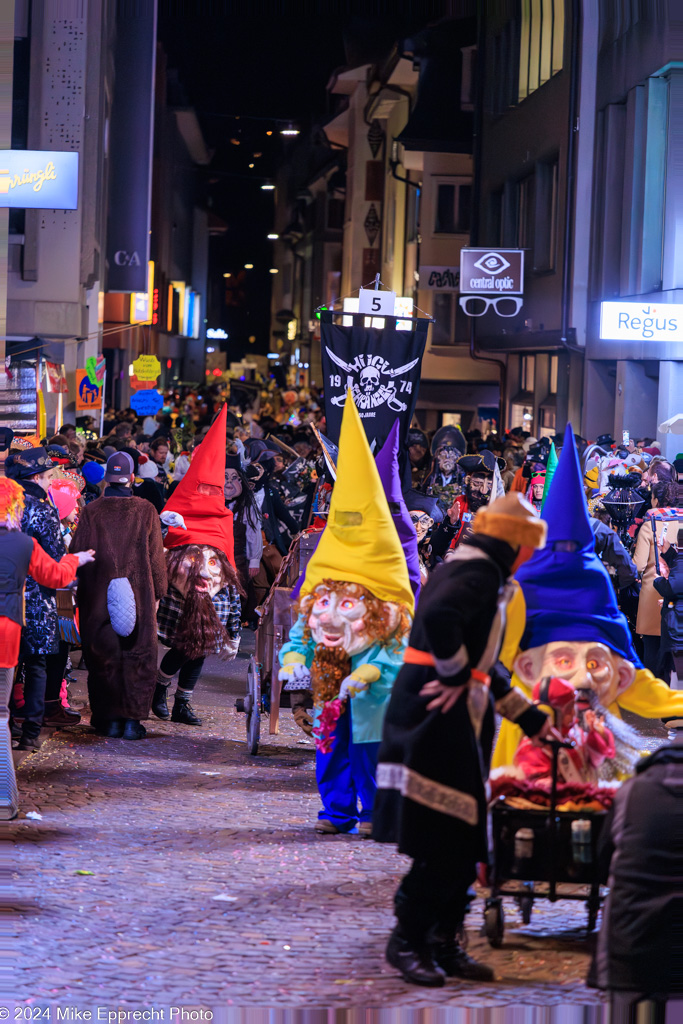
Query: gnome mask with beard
{"x":198,"y":573}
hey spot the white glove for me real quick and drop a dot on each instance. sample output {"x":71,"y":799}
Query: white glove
{"x":173,"y":519}
{"x":350,"y":687}
{"x":295,"y":677}
{"x":85,"y":556}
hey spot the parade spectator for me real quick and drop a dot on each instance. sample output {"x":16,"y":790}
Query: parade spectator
{"x":117,"y":599}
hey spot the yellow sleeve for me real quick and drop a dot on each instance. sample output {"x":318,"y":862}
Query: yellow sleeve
{"x":515,"y":623}
{"x":509,"y":735}
{"x":650,"y":697}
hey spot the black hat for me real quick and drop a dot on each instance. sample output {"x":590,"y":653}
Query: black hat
{"x":28,"y":462}
{"x":6,"y":438}
{"x":415,"y":500}
{"x":449,"y":437}
{"x":485,"y":462}
{"x":120,"y":468}
{"x":417,"y":436}
{"x":605,"y":441}
{"x":233,"y":462}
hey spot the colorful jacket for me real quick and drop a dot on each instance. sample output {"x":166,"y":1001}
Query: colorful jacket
{"x":369,"y":706}
{"x":41,"y":520}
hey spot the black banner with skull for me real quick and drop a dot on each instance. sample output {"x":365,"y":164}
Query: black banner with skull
{"x":382,"y":369}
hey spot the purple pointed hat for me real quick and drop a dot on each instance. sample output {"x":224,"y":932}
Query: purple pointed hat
{"x":387,"y":465}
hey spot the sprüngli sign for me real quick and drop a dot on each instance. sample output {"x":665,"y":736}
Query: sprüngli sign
{"x":34,"y":179}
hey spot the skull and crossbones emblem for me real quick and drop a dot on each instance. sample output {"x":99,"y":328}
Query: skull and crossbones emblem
{"x":369,"y":389}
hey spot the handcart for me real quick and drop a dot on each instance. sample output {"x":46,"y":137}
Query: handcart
{"x":264,"y":694}
{"x":545,"y":848}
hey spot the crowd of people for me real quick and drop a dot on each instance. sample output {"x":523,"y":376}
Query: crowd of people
{"x":177,"y":526}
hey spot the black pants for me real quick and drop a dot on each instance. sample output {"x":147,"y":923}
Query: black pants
{"x":652,"y":657}
{"x":190,"y":668}
{"x":432,"y":898}
{"x":43,"y":675}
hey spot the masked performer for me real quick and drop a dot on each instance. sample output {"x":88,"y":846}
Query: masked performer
{"x":445,"y":482}
{"x":347,"y":643}
{"x":201,"y":613}
{"x":438,"y":735}
{"x":480,"y":482}
{"x":564,"y":620}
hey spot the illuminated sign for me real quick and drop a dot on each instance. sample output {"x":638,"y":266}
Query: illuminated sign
{"x":641,"y":321}
{"x":155,"y":306}
{"x":33,"y":179}
{"x":141,"y":302}
{"x":216,"y":332}
{"x":491,"y":271}
{"x":402,"y":304}
{"x":441,"y":279}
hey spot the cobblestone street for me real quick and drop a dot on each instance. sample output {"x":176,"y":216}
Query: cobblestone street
{"x":180,"y":870}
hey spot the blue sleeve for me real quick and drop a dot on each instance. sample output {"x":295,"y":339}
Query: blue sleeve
{"x":297,"y":643}
{"x":389,"y":661}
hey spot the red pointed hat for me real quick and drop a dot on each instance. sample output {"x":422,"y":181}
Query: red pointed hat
{"x":199,"y":496}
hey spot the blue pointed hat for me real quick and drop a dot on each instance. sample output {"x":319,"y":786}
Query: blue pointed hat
{"x":567,"y":590}
{"x":389,"y":473}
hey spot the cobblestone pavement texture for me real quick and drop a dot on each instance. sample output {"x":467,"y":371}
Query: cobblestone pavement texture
{"x":181,"y":870}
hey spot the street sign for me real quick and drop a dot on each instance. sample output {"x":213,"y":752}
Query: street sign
{"x":441,"y":279}
{"x":491,"y":272}
{"x":380,"y":303}
{"x":35,"y":179}
{"x":641,"y":321}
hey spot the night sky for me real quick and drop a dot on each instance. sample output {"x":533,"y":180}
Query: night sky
{"x":243,"y":74}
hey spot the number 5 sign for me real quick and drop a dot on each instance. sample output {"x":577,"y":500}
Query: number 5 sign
{"x":379,"y":303}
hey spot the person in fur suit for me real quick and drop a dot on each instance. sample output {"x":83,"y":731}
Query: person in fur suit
{"x":117,"y":599}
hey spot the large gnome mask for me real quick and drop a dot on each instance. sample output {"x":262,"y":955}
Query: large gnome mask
{"x":564,"y":621}
{"x":356,"y":592}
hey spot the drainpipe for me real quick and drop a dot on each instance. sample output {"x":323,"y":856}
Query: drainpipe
{"x":476,"y":200}
{"x":567,"y":247}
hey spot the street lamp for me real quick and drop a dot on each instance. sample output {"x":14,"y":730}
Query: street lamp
{"x":248,"y":266}
{"x":289,"y":130}
{"x":267,"y":186}
{"x":273,"y":235}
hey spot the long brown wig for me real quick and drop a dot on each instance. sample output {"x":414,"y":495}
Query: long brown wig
{"x":199,"y":630}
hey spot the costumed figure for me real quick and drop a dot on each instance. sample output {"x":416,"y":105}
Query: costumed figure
{"x":347,"y":643}
{"x":418,"y":463}
{"x":482,"y":483}
{"x":445,"y":482}
{"x":434,"y":530}
{"x":564,"y":620}
{"x":20,"y":555}
{"x":117,"y":599}
{"x":438,"y":735}
{"x":201,"y":611}
{"x":536,"y":491}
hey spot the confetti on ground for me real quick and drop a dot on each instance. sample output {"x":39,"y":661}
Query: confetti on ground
{"x":35,"y":815}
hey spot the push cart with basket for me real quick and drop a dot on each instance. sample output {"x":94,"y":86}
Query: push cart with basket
{"x":264,"y":694}
{"x":543,"y":854}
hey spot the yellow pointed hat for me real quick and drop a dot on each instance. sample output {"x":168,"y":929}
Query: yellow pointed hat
{"x":360,"y":543}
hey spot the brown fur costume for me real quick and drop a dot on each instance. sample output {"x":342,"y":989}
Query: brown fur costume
{"x":126,"y":536}
{"x":199,"y":629}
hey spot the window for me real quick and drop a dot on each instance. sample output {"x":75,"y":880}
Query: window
{"x":413,"y":214}
{"x":526,"y":211}
{"x":547,"y":420}
{"x":495,"y":225}
{"x":545,"y":228}
{"x":469,"y":57}
{"x":527,"y":373}
{"x":541,"y":44}
{"x":554,"y":367}
{"x":442,"y":311}
{"x":453,"y":205}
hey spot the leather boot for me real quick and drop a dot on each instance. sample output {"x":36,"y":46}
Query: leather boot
{"x":183,"y":711}
{"x":56,"y":715}
{"x":452,"y":958}
{"x":133,"y":730}
{"x":414,"y":962}
{"x":159,"y":705}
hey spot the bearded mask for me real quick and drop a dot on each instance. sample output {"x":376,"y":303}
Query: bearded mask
{"x":478,"y":491}
{"x":585,"y":665}
{"x":202,"y":566}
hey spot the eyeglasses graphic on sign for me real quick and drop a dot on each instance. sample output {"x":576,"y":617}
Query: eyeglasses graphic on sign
{"x":504,"y":305}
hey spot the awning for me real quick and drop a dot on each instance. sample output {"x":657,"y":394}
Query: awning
{"x":32,"y":348}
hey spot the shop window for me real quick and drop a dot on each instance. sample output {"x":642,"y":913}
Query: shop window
{"x":521,"y":416}
{"x":527,"y":373}
{"x":453,"y":208}
{"x":547,"y":420}
{"x":554,"y":367}
{"x":541,"y":44}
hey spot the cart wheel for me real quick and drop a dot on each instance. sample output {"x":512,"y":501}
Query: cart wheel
{"x":252,"y":707}
{"x":494,"y":922}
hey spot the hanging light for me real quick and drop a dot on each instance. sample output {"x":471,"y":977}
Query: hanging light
{"x":248,"y":266}
{"x":267,"y":186}
{"x":273,"y":235}
{"x":289,"y":129}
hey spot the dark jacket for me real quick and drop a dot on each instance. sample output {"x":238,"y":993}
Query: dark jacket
{"x":41,"y":520}
{"x":671,"y":589}
{"x":640,"y":945}
{"x":432,"y":767}
{"x":613,"y":553}
{"x":274,"y":512}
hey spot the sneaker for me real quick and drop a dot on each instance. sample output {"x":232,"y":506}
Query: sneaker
{"x":29,"y":742}
{"x":365,"y":829}
{"x":456,"y":963}
{"x":415,"y":964}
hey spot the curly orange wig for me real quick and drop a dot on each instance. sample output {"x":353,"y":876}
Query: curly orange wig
{"x":11,"y":503}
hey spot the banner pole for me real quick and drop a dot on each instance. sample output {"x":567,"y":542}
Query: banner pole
{"x":104,"y":385}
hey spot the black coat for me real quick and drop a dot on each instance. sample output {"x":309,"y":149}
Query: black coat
{"x":640,"y":945}
{"x":671,"y":589}
{"x":432,"y":767}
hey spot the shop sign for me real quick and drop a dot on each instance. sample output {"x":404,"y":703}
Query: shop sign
{"x":641,"y":321}
{"x":491,"y":272}
{"x":440,"y":279}
{"x":34,"y":179}
{"x":88,"y":396}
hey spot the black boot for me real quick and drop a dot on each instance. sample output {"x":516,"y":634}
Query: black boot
{"x":452,"y":958}
{"x":182,"y":710}
{"x":159,"y":705}
{"x":112,"y":728}
{"x":133,"y":730}
{"x":414,"y":962}
{"x":29,"y":742}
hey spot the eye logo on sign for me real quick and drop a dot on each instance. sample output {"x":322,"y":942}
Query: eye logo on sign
{"x":492,"y":263}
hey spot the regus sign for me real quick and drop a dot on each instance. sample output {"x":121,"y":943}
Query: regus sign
{"x":636,"y":321}
{"x":33,"y":179}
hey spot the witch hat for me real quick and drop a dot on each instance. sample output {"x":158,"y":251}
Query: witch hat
{"x":550,"y":471}
{"x":359,"y":543}
{"x":389,"y":474}
{"x":567,"y":591}
{"x":199,"y":496}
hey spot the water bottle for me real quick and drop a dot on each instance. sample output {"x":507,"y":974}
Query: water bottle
{"x":582,"y":851}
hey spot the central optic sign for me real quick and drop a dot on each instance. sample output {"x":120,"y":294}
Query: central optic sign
{"x":491,"y":271}
{"x":637,"y":321}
